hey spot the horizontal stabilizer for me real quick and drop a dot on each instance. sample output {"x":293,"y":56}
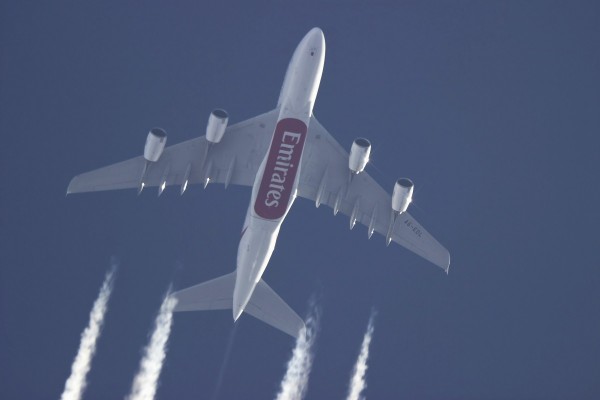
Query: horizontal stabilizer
{"x":267,"y":306}
{"x":216,"y":294}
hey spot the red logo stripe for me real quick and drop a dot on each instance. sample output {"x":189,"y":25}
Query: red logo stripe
{"x":281,"y":168}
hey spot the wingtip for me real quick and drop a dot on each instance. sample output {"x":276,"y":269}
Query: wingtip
{"x":296,"y":333}
{"x":302,"y":329}
{"x":71,"y":186}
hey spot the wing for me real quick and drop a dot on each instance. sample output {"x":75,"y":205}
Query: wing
{"x":234,"y":160}
{"x":325,"y":179}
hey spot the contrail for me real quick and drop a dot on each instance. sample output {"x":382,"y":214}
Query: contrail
{"x":75,"y":385}
{"x":145,"y":382}
{"x":357,"y":382}
{"x":295,"y":380}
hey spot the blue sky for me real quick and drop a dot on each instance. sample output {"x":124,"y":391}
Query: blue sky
{"x":491,"y":108}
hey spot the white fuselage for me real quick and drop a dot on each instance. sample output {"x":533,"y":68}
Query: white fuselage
{"x":274,"y":188}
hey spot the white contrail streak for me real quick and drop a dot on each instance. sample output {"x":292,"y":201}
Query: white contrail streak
{"x":295,"y":380}
{"x":357,"y":381}
{"x":145,"y":382}
{"x":75,"y":385}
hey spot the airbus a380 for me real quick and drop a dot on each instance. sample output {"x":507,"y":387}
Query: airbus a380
{"x":282,"y":154}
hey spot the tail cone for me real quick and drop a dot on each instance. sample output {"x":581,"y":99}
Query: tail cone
{"x":237,"y":311}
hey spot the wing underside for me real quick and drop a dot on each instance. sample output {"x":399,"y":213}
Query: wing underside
{"x":234,"y":160}
{"x":325,"y":179}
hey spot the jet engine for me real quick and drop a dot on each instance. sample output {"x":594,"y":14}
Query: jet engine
{"x":359,"y":155}
{"x":402,"y":196}
{"x":155,"y":144}
{"x":217,"y":123}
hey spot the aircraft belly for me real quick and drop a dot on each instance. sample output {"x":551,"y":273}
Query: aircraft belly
{"x":254,"y":252}
{"x":275,"y":186}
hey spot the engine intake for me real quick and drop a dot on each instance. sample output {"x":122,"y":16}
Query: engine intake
{"x":402,"y":196}
{"x":155,"y":144}
{"x":217,"y":123}
{"x":359,"y":155}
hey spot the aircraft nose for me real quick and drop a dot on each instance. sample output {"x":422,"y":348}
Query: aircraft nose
{"x":316,"y":32}
{"x":317,"y":37}
{"x":314,"y":38}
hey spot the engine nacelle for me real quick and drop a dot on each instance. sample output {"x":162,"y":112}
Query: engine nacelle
{"x":402,"y":196}
{"x":155,"y":144}
{"x":359,"y":155}
{"x":217,"y":123}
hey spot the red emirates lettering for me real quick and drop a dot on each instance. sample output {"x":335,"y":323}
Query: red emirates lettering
{"x":281,"y":168}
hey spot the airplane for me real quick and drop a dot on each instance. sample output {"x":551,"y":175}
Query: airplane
{"x":282,"y":154}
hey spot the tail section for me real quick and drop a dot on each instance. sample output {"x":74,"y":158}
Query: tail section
{"x":265,"y":304}
{"x":215,"y":294}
